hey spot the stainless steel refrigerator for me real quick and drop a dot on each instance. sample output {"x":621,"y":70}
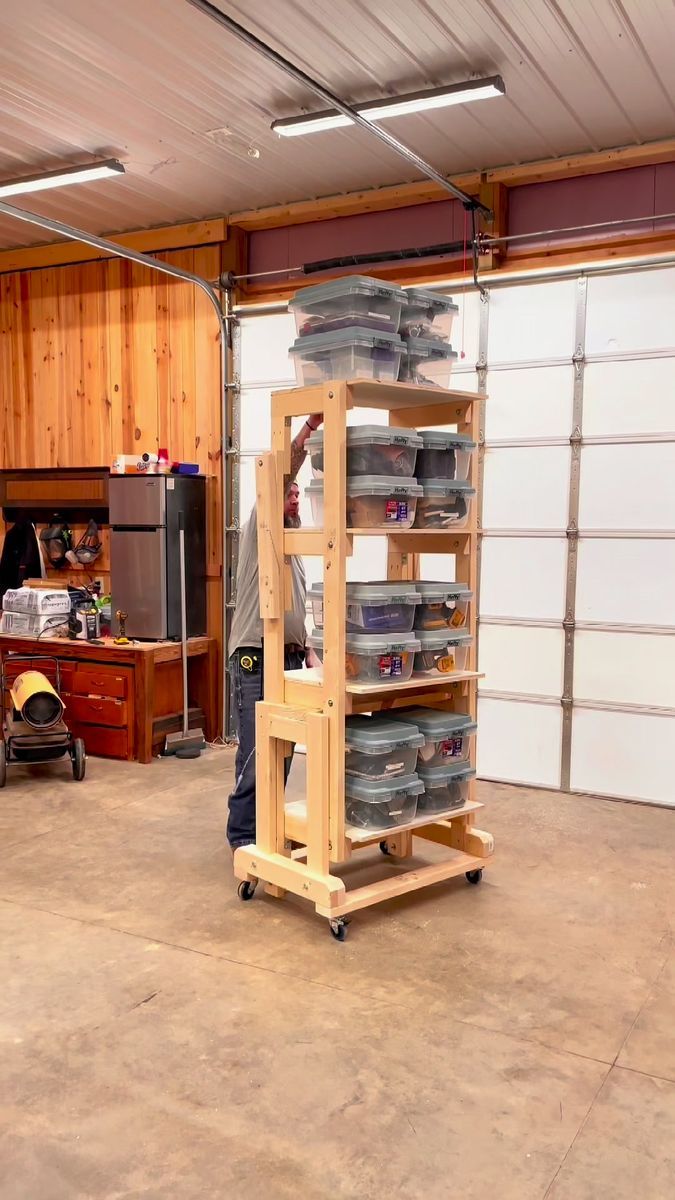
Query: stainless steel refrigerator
{"x":144,"y":553}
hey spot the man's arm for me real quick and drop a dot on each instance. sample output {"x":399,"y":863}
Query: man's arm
{"x":298,"y":452}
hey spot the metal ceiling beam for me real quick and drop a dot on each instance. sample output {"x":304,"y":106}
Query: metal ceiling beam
{"x":333,"y":101}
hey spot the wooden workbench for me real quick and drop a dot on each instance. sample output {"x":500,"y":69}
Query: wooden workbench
{"x":123,"y":700}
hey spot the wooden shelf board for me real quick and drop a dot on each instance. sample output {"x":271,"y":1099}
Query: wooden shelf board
{"x":371,"y":393}
{"x":295,"y":815}
{"x":451,"y":531}
{"x":360,"y":837}
{"x":374,"y":689}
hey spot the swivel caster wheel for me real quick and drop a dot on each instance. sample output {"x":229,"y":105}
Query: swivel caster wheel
{"x":246,"y":890}
{"x":384,"y":847}
{"x":338,"y":928}
{"x":474,"y":876}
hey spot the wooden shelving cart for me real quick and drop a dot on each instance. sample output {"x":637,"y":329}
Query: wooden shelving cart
{"x":301,"y":706}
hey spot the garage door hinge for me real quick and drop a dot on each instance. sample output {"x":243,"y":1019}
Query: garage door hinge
{"x":575,"y":436}
{"x":566,"y":701}
{"x":579,"y":355}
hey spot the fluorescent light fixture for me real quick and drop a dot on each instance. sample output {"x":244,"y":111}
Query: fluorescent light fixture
{"x":396,"y":106}
{"x":54,"y":179}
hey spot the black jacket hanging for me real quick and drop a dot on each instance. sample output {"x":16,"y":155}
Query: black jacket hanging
{"x":20,"y":559}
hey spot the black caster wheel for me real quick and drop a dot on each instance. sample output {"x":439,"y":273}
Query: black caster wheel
{"x":338,"y":928}
{"x":79,"y":759}
{"x":475,"y":876}
{"x":246,"y":890}
{"x":384,"y":847}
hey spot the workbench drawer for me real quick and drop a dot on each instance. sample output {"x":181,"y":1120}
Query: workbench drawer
{"x":102,"y":742}
{"x":95,"y":710}
{"x":95,"y":681}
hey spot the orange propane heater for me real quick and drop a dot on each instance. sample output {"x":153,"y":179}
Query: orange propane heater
{"x":33,"y":729}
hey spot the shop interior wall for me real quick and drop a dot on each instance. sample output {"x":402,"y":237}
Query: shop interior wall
{"x":108,"y":357}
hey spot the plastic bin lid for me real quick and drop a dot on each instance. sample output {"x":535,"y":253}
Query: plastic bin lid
{"x":426,"y":348}
{"x":435,"y":639}
{"x":382,"y":485}
{"x":388,"y":592}
{"x":441,"y":439}
{"x":349,"y":285}
{"x":371,"y":435}
{"x":378,"y":791}
{"x":443,"y":591}
{"x":372,"y":485}
{"x":433,"y":777}
{"x":337,"y":339}
{"x":370,"y":735}
{"x":373,"y":643}
{"x":424,"y":298}
{"x":434,"y":723}
{"x":446,"y":487}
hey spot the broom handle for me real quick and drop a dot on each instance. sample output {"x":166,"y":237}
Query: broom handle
{"x":183,"y":619}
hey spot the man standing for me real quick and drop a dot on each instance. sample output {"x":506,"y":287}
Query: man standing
{"x":246,"y":645}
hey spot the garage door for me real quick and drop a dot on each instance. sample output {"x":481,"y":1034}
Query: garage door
{"x":577,"y":608}
{"x":577,"y":594}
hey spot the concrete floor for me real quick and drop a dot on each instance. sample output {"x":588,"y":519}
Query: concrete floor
{"x":160,"y":1039}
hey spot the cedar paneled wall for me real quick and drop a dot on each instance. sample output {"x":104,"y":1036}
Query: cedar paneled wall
{"x":109,"y":357}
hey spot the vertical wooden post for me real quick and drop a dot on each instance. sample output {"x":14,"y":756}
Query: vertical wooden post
{"x":334,"y":602}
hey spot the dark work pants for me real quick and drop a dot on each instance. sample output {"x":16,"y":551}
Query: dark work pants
{"x":247,"y":688}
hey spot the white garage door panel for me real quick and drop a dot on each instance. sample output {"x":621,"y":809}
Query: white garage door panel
{"x":628,"y":487}
{"x":629,"y":397}
{"x":532,"y":322}
{"x":625,"y":668}
{"x":465,"y":331}
{"x":264,"y":349}
{"x":254,"y":426}
{"x":626,"y":581}
{"x":439,"y":567}
{"x":534,"y":402}
{"x":521,"y":658}
{"x":369,"y":560}
{"x":246,"y":487}
{"x":526,"y":488}
{"x":623,"y":754}
{"x":523,"y":577}
{"x":635,"y":311}
{"x":519,"y":742}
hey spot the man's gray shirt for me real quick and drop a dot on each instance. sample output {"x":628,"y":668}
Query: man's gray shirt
{"x":247,"y":626}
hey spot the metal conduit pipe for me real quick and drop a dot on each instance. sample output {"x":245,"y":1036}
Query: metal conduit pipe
{"x":146,"y":260}
{"x":333,"y":101}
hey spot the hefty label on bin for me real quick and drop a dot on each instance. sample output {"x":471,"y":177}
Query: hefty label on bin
{"x":390,"y":665}
{"x":452,"y":748}
{"x":396,"y":510}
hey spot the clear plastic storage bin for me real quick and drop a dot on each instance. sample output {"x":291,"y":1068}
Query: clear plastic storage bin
{"x":445,"y":504}
{"x":387,"y":607}
{"x":427,"y":315}
{"x":427,"y":362}
{"x":373,"y":502}
{"x":383,"y":804}
{"x":351,"y":353}
{"x":354,"y":300}
{"x":447,"y":735}
{"x":372,"y":450}
{"x":441,"y":652}
{"x":376,"y":748}
{"x":444,"y":605}
{"x":444,"y":455}
{"x":445,"y":788}
{"x":380,"y":658}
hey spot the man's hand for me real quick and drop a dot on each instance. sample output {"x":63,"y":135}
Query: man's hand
{"x":298,"y":452}
{"x":312,"y":659}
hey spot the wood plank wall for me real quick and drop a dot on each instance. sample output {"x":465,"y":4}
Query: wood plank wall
{"x":108,"y":357}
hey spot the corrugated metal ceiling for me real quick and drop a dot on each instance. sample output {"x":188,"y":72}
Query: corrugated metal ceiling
{"x":146,"y":79}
